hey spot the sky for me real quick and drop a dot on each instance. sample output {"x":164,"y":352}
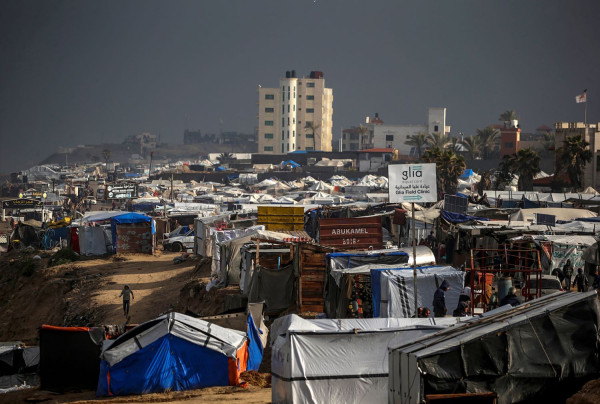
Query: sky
{"x":92,"y":72}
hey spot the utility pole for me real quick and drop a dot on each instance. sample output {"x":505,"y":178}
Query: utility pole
{"x":171,"y":187}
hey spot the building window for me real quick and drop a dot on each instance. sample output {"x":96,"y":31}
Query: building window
{"x":288,"y":121}
{"x":508,"y":145}
{"x":283,"y":109}
{"x":310,"y":84}
{"x":310,"y":135}
{"x":597,"y":163}
{"x":269,"y":109}
{"x":282,"y":149}
{"x":282,"y":121}
{"x":310,"y":148}
{"x":268,"y":136}
{"x":288,"y":108}
{"x":354,"y":136}
{"x":436,"y":128}
{"x":294,"y":107}
{"x":308,"y":123}
{"x":288,"y":147}
{"x":268,"y":123}
{"x":353,"y":146}
{"x":269,"y":96}
{"x":268,"y":148}
{"x":310,"y":110}
{"x":310,"y":97}
{"x":293,"y":133}
{"x":389,"y":138}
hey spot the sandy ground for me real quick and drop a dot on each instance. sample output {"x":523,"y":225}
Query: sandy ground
{"x":249,"y":395}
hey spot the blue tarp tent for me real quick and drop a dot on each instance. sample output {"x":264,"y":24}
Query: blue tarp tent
{"x":467,"y":173}
{"x":177,"y":352}
{"x":131,"y":217}
{"x":290,"y":163}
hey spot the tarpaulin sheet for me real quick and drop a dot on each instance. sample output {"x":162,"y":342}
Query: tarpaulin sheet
{"x":339,"y":361}
{"x":519,"y":354}
{"x":460,"y":218}
{"x":275,"y":287}
{"x":393,"y":290}
{"x":351,"y":260}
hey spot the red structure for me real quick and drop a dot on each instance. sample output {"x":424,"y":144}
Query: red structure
{"x":509,"y":141}
{"x":490,"y":264}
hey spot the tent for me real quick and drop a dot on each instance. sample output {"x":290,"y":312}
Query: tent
{"x":69,"y":357}
{"x":393,"y":289}
{"x":132,"y":218}
{"x":529,"y":353}
{"x":342,"y":360}
{"x":290,"y":163}
{"x":177,"y":352}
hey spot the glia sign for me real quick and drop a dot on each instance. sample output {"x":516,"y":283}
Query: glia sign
{"x":412,"y":183}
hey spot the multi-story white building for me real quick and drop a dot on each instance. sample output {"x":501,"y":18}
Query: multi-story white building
{"x":298,"y":115}
{"x":395,"y":136}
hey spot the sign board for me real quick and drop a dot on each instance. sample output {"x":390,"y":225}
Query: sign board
{"x":352,"y":233}
{"x":121,"y":191}
{"x":546,"y":220}
{"x":281,"y":217}
{"x":21,"y":204}
{"x":412,"y":183}
{"x":456,"y":204}
{"x":32,"y":194}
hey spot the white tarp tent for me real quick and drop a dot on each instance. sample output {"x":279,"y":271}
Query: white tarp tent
{"x":94,"y":240}
{"x":393,"y":289}
{"x":339,"y":360}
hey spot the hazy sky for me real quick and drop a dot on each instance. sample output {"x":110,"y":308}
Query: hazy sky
{"x":77,"y":72}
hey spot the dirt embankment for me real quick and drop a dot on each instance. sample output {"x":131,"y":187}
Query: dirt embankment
{"x":84,"y":292}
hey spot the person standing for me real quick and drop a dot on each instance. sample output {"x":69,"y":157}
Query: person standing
{"x":581,"y":280}
{"x":439,"y":300}
{"x":127,"y":294}
{"x":568,"y":271}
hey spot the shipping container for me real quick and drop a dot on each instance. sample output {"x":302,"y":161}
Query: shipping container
{"x":352,"y":233}
{"x":277,"y":218}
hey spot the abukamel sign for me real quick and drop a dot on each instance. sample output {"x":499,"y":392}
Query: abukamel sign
{"x":412,"y":183}
{"x":351,"y":233}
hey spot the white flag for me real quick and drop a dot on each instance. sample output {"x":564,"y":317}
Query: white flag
{"x":581,"y":97}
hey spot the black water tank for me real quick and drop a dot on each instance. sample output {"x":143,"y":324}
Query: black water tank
{"x":287,"y":74}
{"x":293,"y":74}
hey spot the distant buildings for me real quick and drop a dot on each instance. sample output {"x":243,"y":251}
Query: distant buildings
{"x":297,"y":115}
{"x":378,"y":135}
{"x":141,"y":144}
{"x":591,"y":134}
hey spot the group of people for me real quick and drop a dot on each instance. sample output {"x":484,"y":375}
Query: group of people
{"x":580,"y":281}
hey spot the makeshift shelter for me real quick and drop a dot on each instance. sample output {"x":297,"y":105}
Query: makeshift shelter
{"x":529,"y":352}
{"x":94,"y":240}
{"x":70,"y":357}
{"x":340,"y":360}
{"x":133,"y":232}
{"x":177,"y":352}
{"x":393,"y":289}
{"x":18,"y":365}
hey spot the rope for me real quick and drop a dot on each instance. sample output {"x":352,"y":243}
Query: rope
{"x":543,"y":349}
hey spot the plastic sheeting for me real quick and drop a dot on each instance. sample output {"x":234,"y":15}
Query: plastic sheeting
{"x":274,"y":287}
{"x":517,"y":353}
{"x":94,"y":241}
{"x":393,"y":290}
{"x":339,"y":361}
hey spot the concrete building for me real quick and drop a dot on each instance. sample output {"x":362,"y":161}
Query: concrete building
{"x":360,"y":137}
{"x":298,"y":115}
{"x":591,"y":134}
{"x":395,"y":136}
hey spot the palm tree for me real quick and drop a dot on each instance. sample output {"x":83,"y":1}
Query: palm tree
{"x":473,"y":146}
{"x":224,"y":157}
{"x":455,"y":144}
{"x":449,"y":167}
{"x":418,"y":141}
{"x":508,"y":116}
{"x":438,"y":139}
{"x":106,"y":154}
{"x":573,"y":157}
{"x":526,"y":163}
{"x":487,"y":138}
{"x":313,"y":127}
{"x":362,"y":131}
{"x":505,"y":174}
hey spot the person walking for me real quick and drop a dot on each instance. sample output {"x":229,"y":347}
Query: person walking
{"x":568,"y":271}
{"x":127,"y":294}
{"x":581,"y":281}
{"x":439,"y":300}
